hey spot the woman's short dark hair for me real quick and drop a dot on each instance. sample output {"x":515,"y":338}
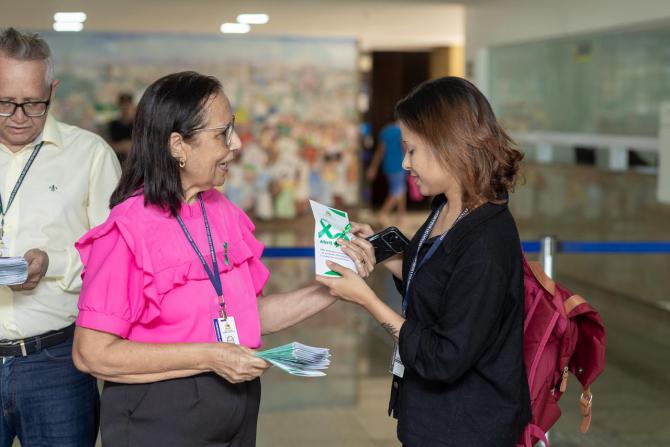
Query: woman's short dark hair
{"x":457,"y":122}
{"x":174,"y":103}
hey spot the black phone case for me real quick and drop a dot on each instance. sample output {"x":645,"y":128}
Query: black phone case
{"x":388,"y":242}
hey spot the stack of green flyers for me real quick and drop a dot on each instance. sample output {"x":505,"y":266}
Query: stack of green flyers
{"x":298,"y":359}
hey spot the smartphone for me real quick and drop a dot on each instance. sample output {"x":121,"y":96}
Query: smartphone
{"x":388,"y":242}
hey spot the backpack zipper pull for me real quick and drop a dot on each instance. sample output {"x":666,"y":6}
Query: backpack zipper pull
{"x":564,"y":380}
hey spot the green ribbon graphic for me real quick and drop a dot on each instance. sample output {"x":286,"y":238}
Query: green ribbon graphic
{"x":325,"y":230}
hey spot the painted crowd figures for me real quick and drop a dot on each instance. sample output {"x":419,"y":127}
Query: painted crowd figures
{"x":297,"y":119}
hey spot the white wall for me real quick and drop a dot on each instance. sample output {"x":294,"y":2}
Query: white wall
{"x":490,"y":23}
{"x":496,"y":22}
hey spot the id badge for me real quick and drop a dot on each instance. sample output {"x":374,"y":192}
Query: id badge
{"x":226,"y":331}
{"x":396,"y":368}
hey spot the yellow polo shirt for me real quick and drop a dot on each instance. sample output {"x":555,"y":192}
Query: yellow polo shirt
{"x":65,"y":193}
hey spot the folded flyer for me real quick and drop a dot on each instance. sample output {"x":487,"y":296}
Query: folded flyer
{"x":330,"y":225}
{"x":13,"y":271}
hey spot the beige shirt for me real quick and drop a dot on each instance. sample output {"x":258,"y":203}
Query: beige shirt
{"x":65,"y":193}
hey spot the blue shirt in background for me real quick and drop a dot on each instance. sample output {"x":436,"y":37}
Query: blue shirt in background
{"x":391,"y":138}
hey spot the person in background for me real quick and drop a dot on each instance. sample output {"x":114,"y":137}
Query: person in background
{"x":389,"y":154}
{"x":173,"y":273}
{"x":458,"y":370}
{"x":120,"y":130}
{"x":55,"y":184}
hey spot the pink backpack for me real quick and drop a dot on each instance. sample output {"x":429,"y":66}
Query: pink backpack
{"x":562,"y":333}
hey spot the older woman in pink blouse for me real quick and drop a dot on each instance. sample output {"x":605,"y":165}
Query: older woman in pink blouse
{"x":170,"y":308}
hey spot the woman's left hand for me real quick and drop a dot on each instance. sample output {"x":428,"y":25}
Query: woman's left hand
{"x":361,"y":252}
{"x":350,"y":286}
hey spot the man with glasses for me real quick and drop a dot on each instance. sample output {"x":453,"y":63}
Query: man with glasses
{"x":55,"y":183}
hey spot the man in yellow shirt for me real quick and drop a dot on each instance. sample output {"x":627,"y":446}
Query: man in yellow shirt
{"x":55,"y":184}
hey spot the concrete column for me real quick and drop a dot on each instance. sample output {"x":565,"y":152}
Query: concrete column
{"x":663,"y":185}
{"x":447,"y":61}
{"x":482,"y":72}
{"x":457,"y":61}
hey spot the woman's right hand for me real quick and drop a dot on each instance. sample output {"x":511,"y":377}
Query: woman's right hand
{"x":236,"y":363}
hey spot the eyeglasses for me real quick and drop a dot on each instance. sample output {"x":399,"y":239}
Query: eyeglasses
{"x":227,"y":130}
{"x":31,"y":109}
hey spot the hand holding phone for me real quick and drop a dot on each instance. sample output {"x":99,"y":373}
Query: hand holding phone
{"x":388,"y":242}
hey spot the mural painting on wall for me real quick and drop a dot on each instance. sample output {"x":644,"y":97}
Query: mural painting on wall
{"x":294,"y":102}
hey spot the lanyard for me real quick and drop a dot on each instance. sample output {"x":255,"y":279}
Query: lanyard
{"x":413,"y":267}
{"x":19,"y":181}
{"x":213,"y":273}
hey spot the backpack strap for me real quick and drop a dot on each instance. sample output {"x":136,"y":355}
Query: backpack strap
{"x":535,"y":431}
{"x":572,"y":302}
{"x":542,"y":278}
{"x":586,"y":398}
{"x":585,"y":401}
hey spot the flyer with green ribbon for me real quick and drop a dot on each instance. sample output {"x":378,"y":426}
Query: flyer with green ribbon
{"x":330,"y":225}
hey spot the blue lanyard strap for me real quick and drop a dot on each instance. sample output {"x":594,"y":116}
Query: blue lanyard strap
{"x":19,"y":182}
{"x":213,"y":273}
{"x":413,"y":267}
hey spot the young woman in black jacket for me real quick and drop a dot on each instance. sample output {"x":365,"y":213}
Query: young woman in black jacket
{"x":459,"y":375}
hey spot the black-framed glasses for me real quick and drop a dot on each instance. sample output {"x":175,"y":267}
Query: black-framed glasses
{"x":31,"y":109}
{"x":226,"y":130}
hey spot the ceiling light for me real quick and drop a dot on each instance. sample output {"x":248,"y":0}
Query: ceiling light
{"x":79,"y":17}
{"x":68,"y":26}
{"x":239,"y":28}
{"x":253,"y":19}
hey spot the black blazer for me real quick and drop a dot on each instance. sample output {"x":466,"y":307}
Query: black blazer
{"x":462,"y":343}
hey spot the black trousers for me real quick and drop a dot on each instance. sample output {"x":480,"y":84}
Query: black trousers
{"x":199,"y":411}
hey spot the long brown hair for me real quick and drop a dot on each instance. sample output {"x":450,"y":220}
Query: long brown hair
{"x":457,"y":122}
{"x":173,"y":103}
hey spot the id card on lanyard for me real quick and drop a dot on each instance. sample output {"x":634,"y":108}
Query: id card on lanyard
{"x":397,"y":368}
{"x":224,"y":326}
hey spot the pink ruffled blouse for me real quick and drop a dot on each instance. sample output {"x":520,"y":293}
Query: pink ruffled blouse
{"x":143,"y":281}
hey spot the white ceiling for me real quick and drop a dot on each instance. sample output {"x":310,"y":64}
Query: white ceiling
{"x":377,"y":24}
